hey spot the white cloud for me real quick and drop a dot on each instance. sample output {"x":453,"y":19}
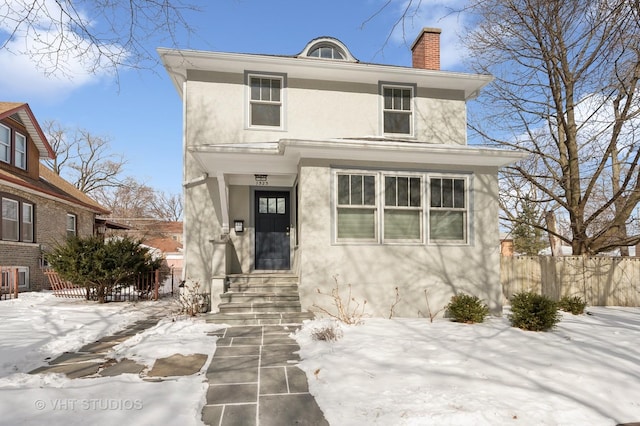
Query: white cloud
{"x":44,"y":57}
{"x":435,"y":14}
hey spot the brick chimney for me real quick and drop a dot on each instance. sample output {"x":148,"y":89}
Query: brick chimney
{"x":426,"y":49}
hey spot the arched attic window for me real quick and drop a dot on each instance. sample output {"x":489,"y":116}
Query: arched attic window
{"x":327,"y":48}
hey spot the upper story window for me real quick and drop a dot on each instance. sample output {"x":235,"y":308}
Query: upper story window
{"x":5,"y":144}
{"x":13,"y":147}
{"x":397,"y":110}
{"x":326,"y":52}
{"x":72,"y":222}
{"x":265,"y":101}
{"x":327,"y":48}
{"x":21,"y":151}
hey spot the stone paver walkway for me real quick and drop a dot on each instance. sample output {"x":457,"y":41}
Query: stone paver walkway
{"x":254,"y":380}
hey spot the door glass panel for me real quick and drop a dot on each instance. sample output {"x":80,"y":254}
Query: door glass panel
{"x":263,"y":208}
{"x":272,"y":205}
{"x":281,"y":206}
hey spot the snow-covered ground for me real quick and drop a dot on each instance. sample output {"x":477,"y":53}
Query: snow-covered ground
{"x":413,"y":372}
{"x":386,"y":372}
{"x":38,"y":326}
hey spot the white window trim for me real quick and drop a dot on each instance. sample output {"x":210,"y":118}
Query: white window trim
{"x":2,"y":219}
{"x":75,"y":225}
{"x":249,"y":101}
{"x":421,"y":209}
{"x":425,"y":208}
{"x":411,"y":112}
{"x":466,"y":209}
{"x":23,"y":153}
{"x":335,"y":206}
{"x":6,"y":144}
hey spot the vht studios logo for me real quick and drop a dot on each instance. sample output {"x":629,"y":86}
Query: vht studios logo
{"x":89,"y":404}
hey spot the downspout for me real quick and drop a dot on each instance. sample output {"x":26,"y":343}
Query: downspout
{"x":184,"y":161}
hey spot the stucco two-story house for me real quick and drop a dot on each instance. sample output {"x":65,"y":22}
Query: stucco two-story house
{"x":320,"y":166}
{"x":39,"y":208}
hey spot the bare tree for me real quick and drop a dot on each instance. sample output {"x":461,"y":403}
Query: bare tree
{"x":102,"y":33}
{"x":566,"y":91}
{"x":84,"y":159}
{"x":168,"y":206}
{"x":129,"y":200}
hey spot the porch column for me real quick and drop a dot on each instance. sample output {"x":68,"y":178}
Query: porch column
{"x":218,"y":269}
{"x":223,"y":191}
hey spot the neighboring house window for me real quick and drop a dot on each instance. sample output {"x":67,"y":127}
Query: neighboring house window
{"x":265,"y":101}
{"x":21,"y":151}
{"x":5,"y":144}
{"x":71,"y":225}
{"x":27,"y":222}
{"x":403,"y":208}
{"x":7,"y":277}
{"x":448,"y":210}
{"x":356,"y":207}
{"x":10,"y":220}
{"x":397,"y":111}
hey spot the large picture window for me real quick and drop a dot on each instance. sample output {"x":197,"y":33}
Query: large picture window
{"x":402,"y":208}
{"x":448,"y":209}
{"x":395,"y":211}
{"x":356,"y":207}
{"x":397,"y":111}
{"x":265,"y":101}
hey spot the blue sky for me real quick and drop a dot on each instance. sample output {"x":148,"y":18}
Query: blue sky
{"x":142,"y":113}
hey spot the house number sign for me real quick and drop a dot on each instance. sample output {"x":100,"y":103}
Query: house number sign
{"x":261,"y":180}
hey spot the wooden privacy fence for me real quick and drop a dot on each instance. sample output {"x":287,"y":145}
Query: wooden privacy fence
{"x":599,"y":280}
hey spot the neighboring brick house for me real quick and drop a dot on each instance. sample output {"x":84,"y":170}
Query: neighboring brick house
{"x":39,"y":208}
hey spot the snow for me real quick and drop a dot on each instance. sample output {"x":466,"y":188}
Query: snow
{"x":414,"y":372}
{"x":384,"y":372}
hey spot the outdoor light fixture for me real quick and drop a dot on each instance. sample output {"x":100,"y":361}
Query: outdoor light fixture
{"x":238,"y":226}
{"x":260,"y":178}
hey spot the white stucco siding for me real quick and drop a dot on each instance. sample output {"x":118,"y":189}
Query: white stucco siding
{"x":375,"y":270}
{"x":203,"y":225}
{"x":217,"y":107}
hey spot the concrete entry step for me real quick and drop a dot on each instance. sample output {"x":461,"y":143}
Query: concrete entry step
{"x":267,"y":307}
{"x":247,"y":296}
{"x":259,"y":318}
{"x":259,"y":287}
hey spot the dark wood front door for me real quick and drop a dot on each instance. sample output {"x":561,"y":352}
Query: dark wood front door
{"x":273,"y":219}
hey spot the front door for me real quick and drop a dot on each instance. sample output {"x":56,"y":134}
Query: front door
{"x":273,"y":220}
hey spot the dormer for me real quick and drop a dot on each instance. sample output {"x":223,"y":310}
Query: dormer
{"x":22,"y":142}
{"x":327,"y":48}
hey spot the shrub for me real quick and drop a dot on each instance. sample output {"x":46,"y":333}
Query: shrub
{"x":466,"y":308}
{"x":327,"y":333}
{"x":574,"y":304}
{"x":534,"y":312}
{"x":101,"y":265}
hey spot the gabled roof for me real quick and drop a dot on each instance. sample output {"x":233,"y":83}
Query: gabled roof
{"x":164,"y":244}
{"x":22,"y":110}
{"x":50,"y":185}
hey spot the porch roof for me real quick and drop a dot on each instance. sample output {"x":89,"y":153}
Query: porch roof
{"x":282,"y":157}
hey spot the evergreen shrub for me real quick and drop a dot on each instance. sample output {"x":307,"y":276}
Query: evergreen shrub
{"x":533,"y":312}
{"x":466,"y":308}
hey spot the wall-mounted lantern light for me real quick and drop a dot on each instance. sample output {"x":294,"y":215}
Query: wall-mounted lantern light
{"x":238,"y":225}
